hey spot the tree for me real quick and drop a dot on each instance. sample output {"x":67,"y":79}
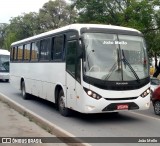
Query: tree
{"x":10,"y":37}
{"x":3,"y":27}
{"x":55,"y":14}
{"x":21,"y":27}
{"x":138,"y":14}
{"x":52,"y":15}
{"x":143,"y":15}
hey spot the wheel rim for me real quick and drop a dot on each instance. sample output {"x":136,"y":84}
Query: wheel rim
{"x":23,"y":91}
{"x":157,"y":107}
{"x":61,"y":104}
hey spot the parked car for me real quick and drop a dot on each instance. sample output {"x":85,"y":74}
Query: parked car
{"x":154,"y":84}
{"x":156,"y":100}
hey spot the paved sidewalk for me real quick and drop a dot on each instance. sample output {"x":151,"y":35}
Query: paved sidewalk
{"x":13,"y":124}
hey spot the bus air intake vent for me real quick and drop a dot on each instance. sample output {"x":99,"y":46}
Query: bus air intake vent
{"x":129,"y":98}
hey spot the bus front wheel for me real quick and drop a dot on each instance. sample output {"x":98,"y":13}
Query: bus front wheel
{"x":61,"y":105}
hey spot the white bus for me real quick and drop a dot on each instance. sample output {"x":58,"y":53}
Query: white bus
{"x":4,"y":64}
{"x":88,"y":68}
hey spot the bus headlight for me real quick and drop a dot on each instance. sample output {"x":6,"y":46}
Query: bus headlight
{"x":92,"y":94}
{"x":89,"y":92}
{"x":145,"y":93}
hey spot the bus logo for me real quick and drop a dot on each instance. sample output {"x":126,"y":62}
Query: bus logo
{"x":121,"y":83}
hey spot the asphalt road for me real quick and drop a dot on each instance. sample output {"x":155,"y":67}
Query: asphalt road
{"x":124,"y":124}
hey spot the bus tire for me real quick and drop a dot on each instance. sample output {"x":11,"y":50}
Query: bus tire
{"x":23,"y":91}
{"x":61,"y":105}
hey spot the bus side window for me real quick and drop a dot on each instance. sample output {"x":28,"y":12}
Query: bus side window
{"x":58,"y":47}
{"x":15,"y":54}
{"x":11,"y":54}
{"x":45,"y":49}
{"x":71,"y":57}
{"x":27,"y":52}
{"x":52,"y":48}
{"x":34,"y":52}
{"x":20,"y":53}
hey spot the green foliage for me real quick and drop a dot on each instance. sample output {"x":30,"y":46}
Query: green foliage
{"x":130,"y":13}
{"x":3,"y":27}
{"x":20,"y":27}
{"x":143,"y":15}
{"x":9,"y":39}
{"x":52,"y":15}
{"x":55,"y":14}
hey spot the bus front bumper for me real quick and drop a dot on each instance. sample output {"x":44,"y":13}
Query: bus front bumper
{"x":4,"y":76}
{"x":104,"y":105}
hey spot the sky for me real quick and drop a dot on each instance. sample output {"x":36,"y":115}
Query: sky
{"x":14,"y":8}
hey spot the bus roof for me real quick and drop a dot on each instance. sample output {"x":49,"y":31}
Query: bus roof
{"x":4,"y":52}
{"x":75,"y":27}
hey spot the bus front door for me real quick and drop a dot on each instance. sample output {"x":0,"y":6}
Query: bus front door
{"x":71,"y":74}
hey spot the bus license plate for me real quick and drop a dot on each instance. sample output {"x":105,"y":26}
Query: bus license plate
{"x":122,"y":107}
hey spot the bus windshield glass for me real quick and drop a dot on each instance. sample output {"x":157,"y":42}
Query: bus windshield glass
{"x":4,"y":63}
{"x":113,"y":57}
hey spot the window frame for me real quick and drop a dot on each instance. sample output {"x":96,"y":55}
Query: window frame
{"x":53,"y":46}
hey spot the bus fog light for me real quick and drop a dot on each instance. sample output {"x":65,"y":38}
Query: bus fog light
{"x":147,"y":104}
{"x":90,"y":108}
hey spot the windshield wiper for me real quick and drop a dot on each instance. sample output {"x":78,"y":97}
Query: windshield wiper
{"x":111,"y":71}
{"x":114,"y":66}
{"x":131,"y":68}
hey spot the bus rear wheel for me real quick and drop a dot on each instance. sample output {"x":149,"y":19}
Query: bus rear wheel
{"x":23,"y":91}
{"x":61,"y":105}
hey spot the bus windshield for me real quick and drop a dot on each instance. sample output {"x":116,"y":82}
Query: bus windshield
{"x":113,"y":57}
{"x":4,"y":63}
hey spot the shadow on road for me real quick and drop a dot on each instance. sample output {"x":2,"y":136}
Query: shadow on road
{"x":93,"y":118}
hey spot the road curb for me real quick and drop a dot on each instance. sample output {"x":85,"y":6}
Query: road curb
{"x":50,"y":127}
